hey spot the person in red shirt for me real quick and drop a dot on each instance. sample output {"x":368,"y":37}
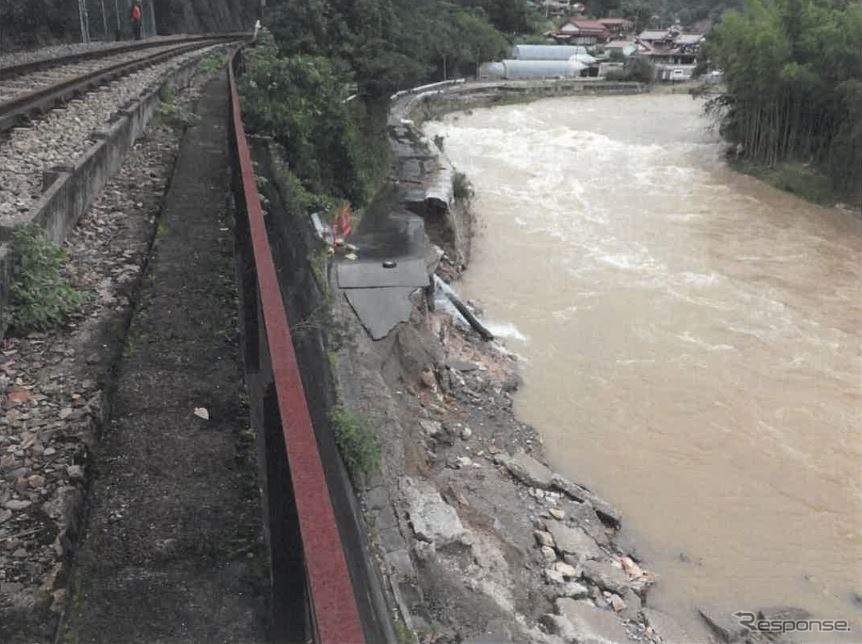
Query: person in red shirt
{"x":136,"y":17}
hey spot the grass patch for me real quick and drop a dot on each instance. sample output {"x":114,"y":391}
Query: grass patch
{"x":171,"y":114}
{"x":359,"y":446}
{"x":212,"y":63}
{"x":804,"y":183}
{"x":795,"y":178}
{"x":402,"y":633}
{"x":39,"y":297}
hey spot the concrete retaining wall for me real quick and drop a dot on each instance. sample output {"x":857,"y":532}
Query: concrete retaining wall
{"x":69,"y":190}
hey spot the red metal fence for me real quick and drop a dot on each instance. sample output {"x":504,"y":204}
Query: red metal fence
{"x":331,"y":603}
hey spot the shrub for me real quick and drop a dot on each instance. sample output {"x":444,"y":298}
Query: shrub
{"x":462,"y":189}
{"x":213,"y":62}
{"x":640,"y":70}
{"x":171,"y":114}
{"x":359,"y":446}
{"x":39,"y":299}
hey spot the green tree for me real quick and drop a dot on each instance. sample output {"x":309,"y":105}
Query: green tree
{"x":299,"y":101}
{"x":793,"y":71}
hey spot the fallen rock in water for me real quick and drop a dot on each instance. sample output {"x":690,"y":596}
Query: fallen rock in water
{"x":432,"y":519}
{"x":606,"y":576}
{"x":579,"y":493}
{"x":723,"y":624}
{"x":573,"y":541}
{"x":671,"y":630}
{"x":584,"y":515}
{"x":528,"y":470}
{"x":590,"y":625}
{"x":783,"y":613}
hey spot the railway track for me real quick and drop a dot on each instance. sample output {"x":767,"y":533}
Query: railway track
{"x":33,"y":88}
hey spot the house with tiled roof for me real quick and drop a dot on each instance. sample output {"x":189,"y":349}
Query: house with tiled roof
{"x":673,"y":53}
{"x":580,"y":31}
{"x":617,"y":27}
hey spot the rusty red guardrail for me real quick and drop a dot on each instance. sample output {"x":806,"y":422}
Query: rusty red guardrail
{"x":332,"y":601}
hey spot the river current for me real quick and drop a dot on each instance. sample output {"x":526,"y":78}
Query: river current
{"x":690,"y":341}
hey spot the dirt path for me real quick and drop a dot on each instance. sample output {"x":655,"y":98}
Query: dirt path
{"x":173,"y":549}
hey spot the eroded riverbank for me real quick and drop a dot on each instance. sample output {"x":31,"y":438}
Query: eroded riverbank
{"x":477,"y":537}
{"x":691,"y":341}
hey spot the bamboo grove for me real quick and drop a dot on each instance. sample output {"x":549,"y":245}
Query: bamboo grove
{"x":793,"y":72}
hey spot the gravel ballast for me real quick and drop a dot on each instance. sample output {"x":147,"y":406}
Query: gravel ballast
{"x":64,"y":134}
{"x":56,"y":388}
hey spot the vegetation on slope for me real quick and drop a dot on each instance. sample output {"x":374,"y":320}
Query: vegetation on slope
{"x":298,"y":85}
{"x":655,"y":14}
{"x":793,"y":72}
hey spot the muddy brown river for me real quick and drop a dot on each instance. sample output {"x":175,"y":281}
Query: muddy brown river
{"x":690,"y":341}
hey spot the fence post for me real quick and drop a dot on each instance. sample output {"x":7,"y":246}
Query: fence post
{"x":151,"y":12}
{"x":85,"y":21}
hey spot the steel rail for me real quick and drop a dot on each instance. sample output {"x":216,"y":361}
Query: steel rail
{"x":22,"y":108}
{"x":22,"y":69}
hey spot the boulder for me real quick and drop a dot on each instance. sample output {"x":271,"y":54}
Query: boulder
{"x":671,"y":630}
{"x":568,"y":571}
{"x":573,"y":541}
{"x":573,"y":589}
{"x":591,"y":625}
{"x":632,"y":605}
{"x":432,"y":519}
{"x":543,"y":538}
{"x":548,"y":553}
{"x":606,"y":576}
{"x":528,"y":470}
{"x":723,"y":624}
{"x":585,"y":516}
{"x":605,"y":510}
